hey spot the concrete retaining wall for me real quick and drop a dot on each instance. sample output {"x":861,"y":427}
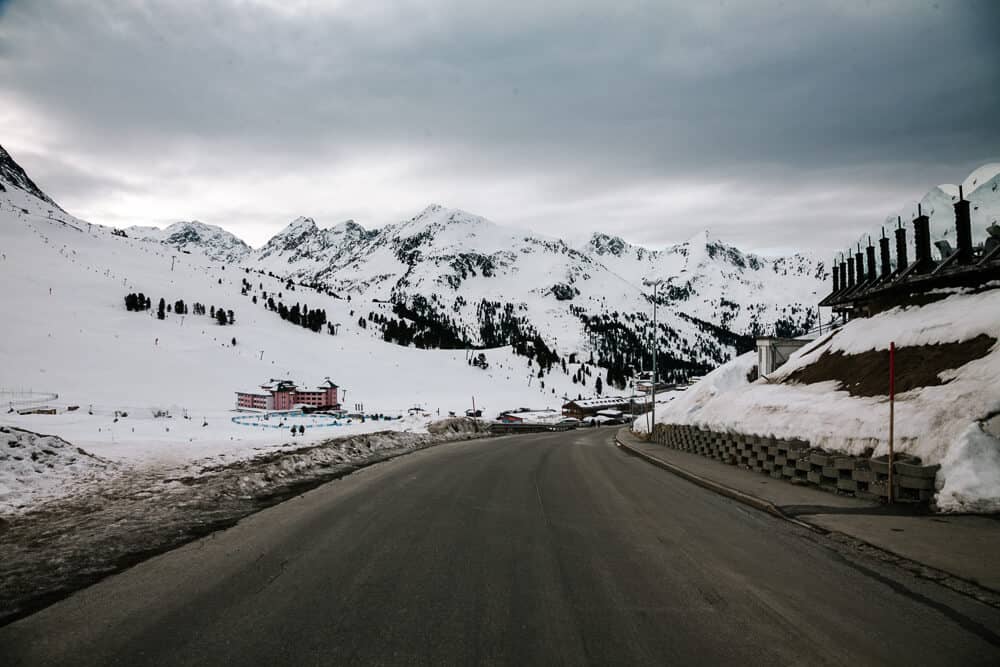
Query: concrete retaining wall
{"x":797,"y":462}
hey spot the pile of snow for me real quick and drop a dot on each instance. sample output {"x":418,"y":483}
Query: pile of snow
{"x":457,"y":425}
{"x":940,"y":424}
{"x":268,"y":471}
{"x":971,"y":471}
{"x":33,"y":466}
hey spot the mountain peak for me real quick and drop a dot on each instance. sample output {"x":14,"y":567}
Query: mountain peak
{"x":214,"y":241}
{"x":11,"y":173}
{"x":700,"y":239}
{"x":299,"y":225}
{"x":605,"y":244}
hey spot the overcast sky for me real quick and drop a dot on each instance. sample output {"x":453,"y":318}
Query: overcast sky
{"x":775,"y":125}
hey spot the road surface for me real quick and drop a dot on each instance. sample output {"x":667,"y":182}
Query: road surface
{"x":537,"y":549}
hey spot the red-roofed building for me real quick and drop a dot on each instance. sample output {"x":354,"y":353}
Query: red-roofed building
{"x":284,"y":395}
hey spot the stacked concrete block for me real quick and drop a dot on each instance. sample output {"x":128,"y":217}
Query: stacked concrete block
{"x":795,"y":461}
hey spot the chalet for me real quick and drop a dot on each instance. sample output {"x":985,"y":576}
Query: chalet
{"x":589,"y":407}
{"x":284,"y":395}
{"x":528,"y":416}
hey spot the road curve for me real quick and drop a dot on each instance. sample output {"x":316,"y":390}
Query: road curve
{"x":541,"y":549}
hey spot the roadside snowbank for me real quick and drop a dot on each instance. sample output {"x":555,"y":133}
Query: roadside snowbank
{"x":940,"y":424}
{"x":33,"y":466}
{"x":52,"y":548}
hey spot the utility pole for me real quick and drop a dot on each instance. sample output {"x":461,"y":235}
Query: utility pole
{"x":172,"y":258}
{"x":655,"y":284}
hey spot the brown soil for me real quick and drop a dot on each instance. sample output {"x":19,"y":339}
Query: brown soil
{"x":867,"y":374}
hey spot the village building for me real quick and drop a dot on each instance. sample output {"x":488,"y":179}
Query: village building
{"x":527,"y":416}
{"x":284,"y":395}
{"x":588,"y":407}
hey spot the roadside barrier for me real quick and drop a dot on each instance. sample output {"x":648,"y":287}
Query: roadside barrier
{"x":796,"y":461}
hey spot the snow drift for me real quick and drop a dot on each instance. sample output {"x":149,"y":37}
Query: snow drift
{"x":945,"y":423}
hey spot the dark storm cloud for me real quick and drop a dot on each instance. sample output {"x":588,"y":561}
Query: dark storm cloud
{"x":762,"y":121}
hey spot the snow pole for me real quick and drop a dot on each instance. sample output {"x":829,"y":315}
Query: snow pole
{"x":892,"y":410}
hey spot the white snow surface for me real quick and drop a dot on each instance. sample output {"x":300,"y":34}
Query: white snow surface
{"x":940,"y":424}
{"x":66,"y":331}
{"x":33,"y":466}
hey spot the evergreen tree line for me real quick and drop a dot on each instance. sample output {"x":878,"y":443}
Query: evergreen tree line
{"x":428,"y":328}
{"x":623,"y":345}
{"x":140,"y":302}
{"x":300,"y":314}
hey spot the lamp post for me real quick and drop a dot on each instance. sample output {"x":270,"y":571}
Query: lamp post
{"x":655,"y":284}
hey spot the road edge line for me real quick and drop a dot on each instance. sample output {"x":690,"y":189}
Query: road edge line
{"x":704,"y":482}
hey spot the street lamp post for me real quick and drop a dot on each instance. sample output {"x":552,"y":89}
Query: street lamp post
{"x":655,"y":284}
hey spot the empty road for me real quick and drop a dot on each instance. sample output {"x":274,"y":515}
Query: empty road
{"x":543,"y":549}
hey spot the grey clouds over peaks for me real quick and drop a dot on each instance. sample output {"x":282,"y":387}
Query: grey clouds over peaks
{"x":778,"y":125}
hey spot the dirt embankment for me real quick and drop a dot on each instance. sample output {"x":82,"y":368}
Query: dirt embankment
{"x":867,"y":373}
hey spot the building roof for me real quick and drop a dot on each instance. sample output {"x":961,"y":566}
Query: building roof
{"x":603,"y":402}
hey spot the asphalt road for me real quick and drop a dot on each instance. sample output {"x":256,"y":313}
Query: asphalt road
{"x":542,"y":549}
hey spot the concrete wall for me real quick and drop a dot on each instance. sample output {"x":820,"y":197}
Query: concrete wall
{"x":797,"y":462}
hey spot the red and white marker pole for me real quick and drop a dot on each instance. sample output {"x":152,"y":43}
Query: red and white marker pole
{"x":892,"y":410}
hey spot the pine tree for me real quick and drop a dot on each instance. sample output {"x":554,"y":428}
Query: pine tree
{"x":220,"y":316}
{"x":160,"y":314}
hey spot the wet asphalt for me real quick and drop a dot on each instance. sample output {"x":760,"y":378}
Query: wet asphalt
{"x":545,"y":549}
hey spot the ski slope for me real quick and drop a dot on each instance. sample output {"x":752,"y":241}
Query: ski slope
{"x":66,"y":331}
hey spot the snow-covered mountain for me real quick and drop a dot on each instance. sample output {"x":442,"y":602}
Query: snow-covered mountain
{"x":981,"y":188}
{"x":13,"y":176}
{"x":476,"y":283}
{"x":215,"y":242}
{"x":303,"y":243}
{"x":70,"y":337}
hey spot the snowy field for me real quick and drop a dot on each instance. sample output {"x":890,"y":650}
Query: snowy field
{"x":956,"y":424}
{"x":66,"y":332}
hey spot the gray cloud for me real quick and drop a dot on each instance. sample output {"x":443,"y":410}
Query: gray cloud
{"x":766,"y":122}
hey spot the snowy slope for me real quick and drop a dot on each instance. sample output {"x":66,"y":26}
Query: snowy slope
{"x":455,"y":261}
{"x":13,"y":177}
{"x":716,"y":282}
{"x":66,"y":331}
{"x":956,"y":423}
